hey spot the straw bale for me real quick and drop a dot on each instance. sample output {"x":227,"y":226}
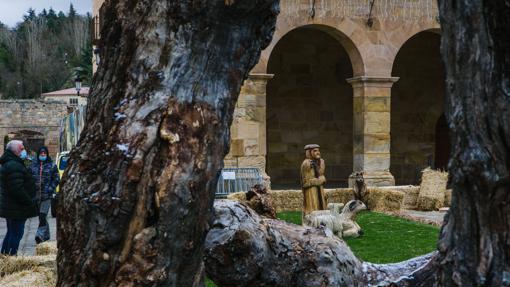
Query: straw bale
{"x":410,"y":194}
{"x":283,"y":200}
{"x":46,"y":248}
{"x":287,"y":200}
{"x":340,"y":195}
{"x":432,"y":189}
{"x":448,"y":198}
{"x":384,"y":199}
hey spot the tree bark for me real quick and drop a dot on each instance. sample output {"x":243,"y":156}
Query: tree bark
{"x":475,"y":240}
{"x":138,"y":192}
{"x":474,"y":245}
{"x":245,"y":249}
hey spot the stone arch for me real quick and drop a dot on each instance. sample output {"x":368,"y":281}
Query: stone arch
{"x":354,"y":54}
{"x":417,"y":101}
{"x":309,"y":101}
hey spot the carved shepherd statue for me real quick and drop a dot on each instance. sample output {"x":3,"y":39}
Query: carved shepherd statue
{"x":312,"y":180}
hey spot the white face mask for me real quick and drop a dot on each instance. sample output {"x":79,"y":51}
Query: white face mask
{"x":23,"y":154}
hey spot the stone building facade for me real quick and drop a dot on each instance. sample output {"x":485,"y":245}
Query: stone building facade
{"x":364,"y":81}
{"x":35,"y":122}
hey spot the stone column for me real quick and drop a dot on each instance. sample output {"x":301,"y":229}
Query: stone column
{"x":248,"y":130}
{"x":371,"y":120}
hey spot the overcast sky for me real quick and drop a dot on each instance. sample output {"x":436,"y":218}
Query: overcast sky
{"x":12,"y":11}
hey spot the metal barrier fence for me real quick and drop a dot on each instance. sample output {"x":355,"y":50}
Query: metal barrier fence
{"x":237,"y":179}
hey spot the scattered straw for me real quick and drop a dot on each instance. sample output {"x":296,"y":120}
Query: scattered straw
{"x":46,"y":248}
{"x":23,"y":271}
{"x":13,"y":264}
{"x":38,"y":276}
{"x":238,"y":196}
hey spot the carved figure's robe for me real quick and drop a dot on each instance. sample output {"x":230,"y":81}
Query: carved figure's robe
{"x":313,"y":187}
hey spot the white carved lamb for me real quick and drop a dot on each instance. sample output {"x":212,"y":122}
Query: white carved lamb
{"x":342,"y":224}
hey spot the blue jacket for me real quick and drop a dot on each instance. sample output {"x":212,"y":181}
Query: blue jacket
{"x":46,"y":177}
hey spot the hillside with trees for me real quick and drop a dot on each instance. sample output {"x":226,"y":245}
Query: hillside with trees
{"x":44,"y":52}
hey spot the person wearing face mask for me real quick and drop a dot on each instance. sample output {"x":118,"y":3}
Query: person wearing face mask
{"x":46,"y":177}
{"x":17,"y":195}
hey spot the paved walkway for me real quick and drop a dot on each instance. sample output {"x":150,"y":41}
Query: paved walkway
{"x":27,"y":245}
{"x":429,"y":217}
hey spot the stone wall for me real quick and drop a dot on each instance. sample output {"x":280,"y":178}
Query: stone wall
{"x":417,"y":101}
{"x":309,"y":101}
{"x":248,"y":130}
{"x":312,"y":55}
{"x":32,"y":116}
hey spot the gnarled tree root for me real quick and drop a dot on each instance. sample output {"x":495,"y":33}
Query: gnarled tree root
{"x":245,"y":249}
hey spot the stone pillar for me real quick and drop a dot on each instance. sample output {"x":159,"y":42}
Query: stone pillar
{"x":371,"y":128}
{"x":248,"y":130}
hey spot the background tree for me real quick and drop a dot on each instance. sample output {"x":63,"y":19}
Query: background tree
{"x":139,"y":188}
{"x":40,"y":54}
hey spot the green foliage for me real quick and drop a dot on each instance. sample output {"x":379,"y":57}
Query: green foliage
{"x":42,"y":52}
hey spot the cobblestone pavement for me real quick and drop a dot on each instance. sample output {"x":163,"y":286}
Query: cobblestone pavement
{"x":431,"y":217}
{"x":27,"y":245}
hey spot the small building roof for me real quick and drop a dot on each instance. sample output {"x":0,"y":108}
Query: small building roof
{"x":84,"y":92}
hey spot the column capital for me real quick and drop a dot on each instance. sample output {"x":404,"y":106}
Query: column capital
{"x":367,"y":81}
{"x":260,"y":76}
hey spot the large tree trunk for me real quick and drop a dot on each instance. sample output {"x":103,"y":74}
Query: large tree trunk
{"x":474,"y":245}
{"x":138,"y":193}
{"x":475,"y":240}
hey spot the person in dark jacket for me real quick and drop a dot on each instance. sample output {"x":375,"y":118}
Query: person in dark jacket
{"x":46,"y":177}
{"x":17,"y":195}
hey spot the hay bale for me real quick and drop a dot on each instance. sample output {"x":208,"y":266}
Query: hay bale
{"x":384,"y":199}
{"x":432,"y":189}
{"x":46,"y":248}
{"x":448,"y":198}
{"x":410,"y":194}
{"x":287,"y":200}
{"x":340,"y":195}
{"x":282,"y":200}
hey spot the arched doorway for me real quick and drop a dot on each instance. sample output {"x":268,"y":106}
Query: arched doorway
{"x":417,"y":101}
{"x":309,"y":101}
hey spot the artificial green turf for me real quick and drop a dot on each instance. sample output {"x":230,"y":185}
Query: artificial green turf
{"x":386,"y":239}
{"x":209,"y":283}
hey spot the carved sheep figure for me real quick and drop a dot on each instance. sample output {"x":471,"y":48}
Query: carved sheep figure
{"x":342,"y":224}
